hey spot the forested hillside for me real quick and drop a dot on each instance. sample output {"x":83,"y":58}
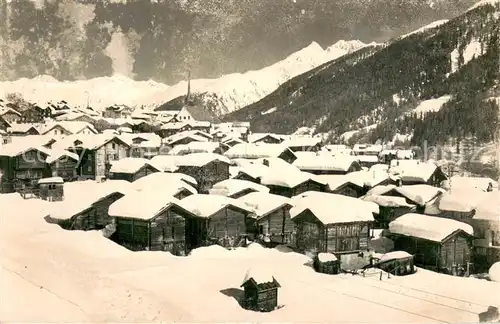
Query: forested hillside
{"x":459,"y":59}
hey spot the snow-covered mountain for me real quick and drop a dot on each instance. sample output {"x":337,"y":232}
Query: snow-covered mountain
{"x":234,"y":91}
{"x":226,"y":94}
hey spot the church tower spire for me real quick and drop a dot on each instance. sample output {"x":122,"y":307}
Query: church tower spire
{"x":188,"y":100}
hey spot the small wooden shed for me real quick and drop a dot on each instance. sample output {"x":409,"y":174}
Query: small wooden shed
{"x":332,"y":223}
{"x":131,"y":169}
{"x":260,"y":291}
{"x":51,"y":189}
{"x":274,"y":224}
{"x":326,"y":263}
{"x":206,"y":168}
{"x":439,"y":244}
{"x":398,"y":263}
{"x":227,"y":220}
{"x":145,"y":221}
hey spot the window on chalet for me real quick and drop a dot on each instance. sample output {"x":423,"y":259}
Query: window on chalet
{"x":113,"y":146}
{"x":116,"y":157}
{"x":52,"y":186}
{"x":480,"y":233}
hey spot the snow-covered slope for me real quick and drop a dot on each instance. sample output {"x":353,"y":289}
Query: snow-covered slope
{"x":234,"y":91}
{"x":227,"y":93}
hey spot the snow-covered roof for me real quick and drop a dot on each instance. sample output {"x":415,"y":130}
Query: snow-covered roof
{"x":56,"y":154}
{"x":124,"y":129}
{"x":288,"y":178}
{"x":166,"y":182}
{"x":57,"y":180}
{"x":21,"y":128}
{"x":324,"y":162}
{"x":303,"y":141}
{"x":333,"y":208}
{"x":207,"y":205}
{"x":174,"y":126}
{"x":143,"y":205}
{"x":489,"y":208}
{"x":194,"y":147}
{"x":16,"y":149}
{"x":166,"y":163}
{"x":367,"y":158}
{"x":335,"y":181}
{"x":129,"y":165}
{"x":461,"y":200}
{"x":255,"y":171}
{"x":73,"y":127}
{"x":388,"y":201}
{"x":88,"y":141}
{"x":369,"y":178}
{"x":256,"y":150}
{"x":427,"y":227}
{"x":471,"y":182}
{"x":412,"y":170}
{"x":259,"y":275}
{"x":183,"y":135}
{"x":395,"y":255}
{"x":264,"y":203}
{"x":327,"y":257}
{"x":200,"y":159}
{"x":420,"y":194}
{"x":80,"y":195}
{"x":230,"y":187}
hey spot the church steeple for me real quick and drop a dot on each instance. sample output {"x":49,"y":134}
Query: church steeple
{"x":187,"y":99}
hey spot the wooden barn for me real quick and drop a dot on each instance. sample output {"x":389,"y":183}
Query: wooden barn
{"x":320,"y":163}
{"x":235,"y":188}
{"x":22,"y":166}
{"x":88,"y":211}
{"x":22,"y":130}
{"x":227,"y":219}
{"x":260,"y":291}
{"x":342,"y":185}
{"x":252,"y":172}
{"x":131,"y":169}
{"x":145,"y":221}
{"x":264,"y":138}
{"x":63,"y":164}
{"x":398,"y":263}
{"x":206,"y":168}
{"x":422,"y":196}
{"x":254,"y":151}
{"x":274,"y":224}
{"x":290,"y":183}
{"x":460,"y":204}
{"x":51,"y":189}
{"x":439,"y":244}
{"x":170,"y":129}
{"x":332,"y":223}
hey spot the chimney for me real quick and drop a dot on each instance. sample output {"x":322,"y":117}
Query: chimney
{"x":265,"y":162}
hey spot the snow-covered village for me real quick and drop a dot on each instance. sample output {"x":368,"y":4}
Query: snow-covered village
{"x":349,"y":183}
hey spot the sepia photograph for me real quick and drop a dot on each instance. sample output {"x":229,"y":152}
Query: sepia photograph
{"x":249,"y":161}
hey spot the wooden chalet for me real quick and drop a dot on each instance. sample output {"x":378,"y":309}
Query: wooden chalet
{"x":65,"y":128}
{"x":22,"y":167}
{"x":341,"y":185}
{"x":22,"y":130}
{"x":184,"y":138}
{"x":145,"y":221}
{"x":264,"y":138}
{"x":320,"y":163}
{"x":273,"y":221}
{"x":206,"y":168}
{"x":290,"y":183}
{"x":460,"y":204}
{"x":250,"y":172}
{"x":422,"y":196}
{"x":332,"y":223}
{"x":261,"y":151}
{"x":439,"y":244}
{"x":166,"y":184}
{"x":117,"y":111}
{"x":398,"y":263}
{"x":131,"y":169}
{"x":4,"y":125}
{"x":260,"y":291}
{"x":170,"y":129}
{"x":63,"y":164}
{"x":51,"y":189}
{"x":367,"y":161}
{"x":326,"y":263}
{"x":227,"y":220}
{"x":234,"y":188}
{"x":10,"y":115}
{"x":34,"y":114}
{"x":303,"y":144}
{"x":96,"y":153}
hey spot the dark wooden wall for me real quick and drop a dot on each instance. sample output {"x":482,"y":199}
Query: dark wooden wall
{"x":230,"y":223}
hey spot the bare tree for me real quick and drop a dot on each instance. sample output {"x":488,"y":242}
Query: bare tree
{"x":18,"y":100}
